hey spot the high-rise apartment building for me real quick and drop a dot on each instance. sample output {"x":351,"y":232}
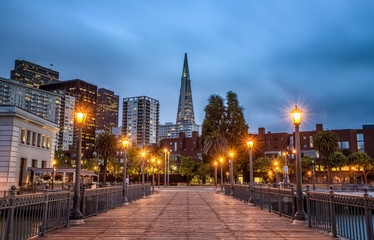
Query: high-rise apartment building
{"x":42,"y":103}
{"x":32,"y":74}
{"x":185,"y":116}
{"x":107,"y":110}
{"x":85,"y":100}
{"x":140,"y":116}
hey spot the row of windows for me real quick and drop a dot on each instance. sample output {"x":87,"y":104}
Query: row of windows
{"x":35,"y":139}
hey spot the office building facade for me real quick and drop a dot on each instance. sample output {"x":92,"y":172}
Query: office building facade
{"x":85,"y":100}
{"x":33,"y":75}
{"x":107,"y":110}
{"x":140,"y":118}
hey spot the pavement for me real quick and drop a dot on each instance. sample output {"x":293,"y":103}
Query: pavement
{"x":187,"y":213}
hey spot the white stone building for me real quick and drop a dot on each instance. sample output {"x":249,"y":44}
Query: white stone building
{"x":26,"y":141}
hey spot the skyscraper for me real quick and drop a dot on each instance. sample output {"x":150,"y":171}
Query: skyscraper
{"x":32,"y":74}
{"x":185,"y":107}
{"x":107,"y":110}
{"x":85,"y":100}
{"x":140,"y":116}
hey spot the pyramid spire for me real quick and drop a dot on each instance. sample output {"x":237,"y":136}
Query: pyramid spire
{"x":185,"y":107}
{"x":185,"y":73}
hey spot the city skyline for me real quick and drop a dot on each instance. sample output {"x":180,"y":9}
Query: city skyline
{"x":323,"y":60}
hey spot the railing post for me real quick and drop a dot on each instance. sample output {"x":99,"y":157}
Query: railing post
{"x":269,"y":197}
{"x":83,"y":200}
{"x":106,"y":199}
{"x":254,"y":194}
{"x":261,"y":196}
{"x":68,"y":207}
{"x":97,"y":202}
{"x":12,"y":203}
{"x":279,"y":201}
{"x":45,"y":212}
{"x":368,"y":218}
{"x":308,"y":206}
{"x":332,"y":212}
{"x":293,"y":202}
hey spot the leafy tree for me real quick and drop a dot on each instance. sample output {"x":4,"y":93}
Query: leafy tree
{"x":187,"y":167}
{"x":114,"y":167}
{"x":62,"y":160}
{"x":306,"y":164}
{"x":106,"y":144}
{"x":90,"y":164}
{"x":234,"y":124}
{"x":214,"y":118}
{"x":202,"y":169}
{"x":326,"y":143}
{"x":338,"y":160}
{"x":363,"y":160}
{"x":262,"y":165}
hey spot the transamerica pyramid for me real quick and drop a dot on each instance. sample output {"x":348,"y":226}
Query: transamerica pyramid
{"x":185,"y":107}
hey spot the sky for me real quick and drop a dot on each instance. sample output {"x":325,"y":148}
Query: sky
{"x":274,"y":54}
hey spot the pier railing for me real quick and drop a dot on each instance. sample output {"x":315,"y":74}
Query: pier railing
{"x":26,"y":216}
{"x":344,"y":215}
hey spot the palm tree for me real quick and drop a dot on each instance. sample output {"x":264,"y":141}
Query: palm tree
{"x":215,"y":144}
{"x":106,"y":144}
{"x":326,"y":143}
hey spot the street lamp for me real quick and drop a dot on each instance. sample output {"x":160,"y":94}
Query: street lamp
{"x":232,"y":173}
{"x":354,"y":175}
{"x":314,"y":176}
{"x":250,"y":146}
{"x":158,"y":174}
{"x":169,"y":167}
{"x":166,"y":151}
{"x":276,"y":173}
{"x":215,"y":173}
{"x":143,"y":183}
{"x":125,"y":144}
{"x":153,"y":176}
{"x":285,"y":168}
{"x":221,"y":160}
{"x":53,"y":171}
{"x":296,"y":116}
{"x":147,"y":171}
{"x":76,"y":215}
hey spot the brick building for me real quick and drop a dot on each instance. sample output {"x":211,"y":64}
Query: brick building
{"x":184,"y":146}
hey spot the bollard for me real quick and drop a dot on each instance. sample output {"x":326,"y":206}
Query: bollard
{"x":45,"y":212}
{"x":332,"y":212}
{"x":368,"y":217}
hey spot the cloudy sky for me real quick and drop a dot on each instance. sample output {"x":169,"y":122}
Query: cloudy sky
{"x":273,"y":54}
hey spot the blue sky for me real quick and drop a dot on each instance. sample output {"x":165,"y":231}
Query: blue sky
{"x":273,"y":54}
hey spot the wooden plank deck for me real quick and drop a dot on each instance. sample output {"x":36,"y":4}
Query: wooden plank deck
{"x":183,"y":213}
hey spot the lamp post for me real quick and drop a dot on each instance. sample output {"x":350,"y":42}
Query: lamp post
{"x":76,"y":215}
{"x":165,"y":150}
{"x":300,"y":215}
{"x":153,"y":176}
{"x":168,"y":168}
{"x":314,"y":176}
{"x":285,"y":168}
{"x":143,"y":183}
{"x":276,"y":173}
{"x":221,"y":160}
{"x":354,"y":175}
{"x":250,"y":146}
{"x":215,"y":174}
{"x":232,"y":173}
{"x":158,"y":174}
{"x":147,"y":171}
{"x":125,"y":144}
{"x":53,"y":172}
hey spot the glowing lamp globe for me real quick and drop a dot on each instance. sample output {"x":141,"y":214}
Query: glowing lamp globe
{"x":296,"y":116}
{"x":81,"y":117}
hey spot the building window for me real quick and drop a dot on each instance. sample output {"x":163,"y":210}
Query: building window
{"x":23,"y":135}
{"x":311,"y":141}
{"x":43,"y":141}
{"x":48,"y":142}
{"x":44,"y":164}
{"x":33,"y":138}
{"x":39,"y":139}
{"x":344,"y":145}
{"x":360,"y":142}
{"x":34,"y":163}
{"x":28,"y":137}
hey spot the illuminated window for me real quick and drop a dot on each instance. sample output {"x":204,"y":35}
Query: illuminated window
{"x":43,"y":141}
